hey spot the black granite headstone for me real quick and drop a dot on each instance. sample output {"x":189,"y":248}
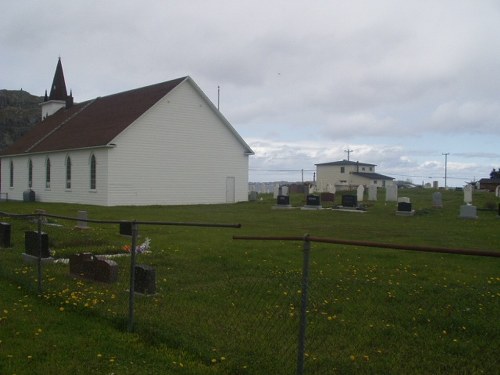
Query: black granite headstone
{"x":32,"y":244}
{"x":126,"y":228}
{"x":4,"y":235}
{"x":283,"y":200}
{"x":498,"y":209}
{"x":313,"y":200}
{"x":349,"y":200}
{"x":404,"y":206}
{"x":145,"y":279}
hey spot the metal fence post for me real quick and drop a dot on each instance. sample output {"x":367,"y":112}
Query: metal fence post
{"x":132,"y":278}
{"x":303,"y":310}
{"x":39,"y":260}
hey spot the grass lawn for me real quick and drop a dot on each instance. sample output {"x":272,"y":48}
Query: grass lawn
{"x":227,"y":306}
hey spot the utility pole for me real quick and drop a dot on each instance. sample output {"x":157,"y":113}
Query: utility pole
{"x":218,"y":98}
{"x":446,"y":169}
{"x":348,"y":153}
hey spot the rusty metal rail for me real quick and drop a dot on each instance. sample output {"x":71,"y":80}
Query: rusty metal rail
{"x":420,"y":248}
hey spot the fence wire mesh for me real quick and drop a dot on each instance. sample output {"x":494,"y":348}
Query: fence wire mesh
{"x":241,"y":311}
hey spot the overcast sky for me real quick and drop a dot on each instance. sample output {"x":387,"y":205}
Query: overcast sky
{"x":399,"y":83}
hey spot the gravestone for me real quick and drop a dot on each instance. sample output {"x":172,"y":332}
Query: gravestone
{"x":437,"y":200}
{"x":284,"y":190}
{"x":32,"y":244}
{"x":313,"y":200}
{"x":283,"y":200}
{"x":327,"y":197}
{"x":468,"y":211}
{"x":404,"y":208}
{"x":5,"y":234}
{"x":497,"y":191}
{"x":82,"y":265}
{"x":105,"y":270}
{"x":372,"y":192}
{"x":404,"y":199}
{"x":499,"y":209}
{"x":349,"y":200}
{"x":360,"y":193}
{"x":39,"y":212}
{"x":93,"y":268}
{"x":144,"y":279}
{"x":82,"y":217}
{"x":468,"y":194}
{"x":126,"y":228}
{"x":252,"y":196}
{"x":391,"y":193}
{"x":276,"y":191}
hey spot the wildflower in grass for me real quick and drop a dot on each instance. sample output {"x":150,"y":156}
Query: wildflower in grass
{"x":142,"y":248}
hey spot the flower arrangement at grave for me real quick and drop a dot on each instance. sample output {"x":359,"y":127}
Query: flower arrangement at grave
{"x":140,"y":249}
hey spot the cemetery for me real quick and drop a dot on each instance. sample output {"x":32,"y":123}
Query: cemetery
{"x":209,"y":304}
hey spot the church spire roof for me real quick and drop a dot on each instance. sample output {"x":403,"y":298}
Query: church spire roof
{"x":58,"y":89}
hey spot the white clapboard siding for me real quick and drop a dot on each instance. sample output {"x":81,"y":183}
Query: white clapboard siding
{"x":179,"y":152}
{"x":79,"y":192}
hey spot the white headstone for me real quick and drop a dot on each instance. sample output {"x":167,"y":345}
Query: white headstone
{"x":391,"y":193}
{"x":361,"y":193}
{"x":82,"y":219}
{"x":284,"y":190}
{"x":497,"y":191}
{"x":468,"y":194}
{"x":437,"y":200}
{"x":312,"y":189}
{"x":372,"y":192}
{"x":276,"y":191}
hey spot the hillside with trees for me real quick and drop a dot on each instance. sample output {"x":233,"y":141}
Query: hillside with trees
{"x":19,"y":112}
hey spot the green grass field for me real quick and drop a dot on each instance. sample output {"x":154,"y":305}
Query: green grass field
{"x":227,"y":306}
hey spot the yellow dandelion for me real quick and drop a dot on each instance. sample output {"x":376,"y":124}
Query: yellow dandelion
{"x":352,"y":357}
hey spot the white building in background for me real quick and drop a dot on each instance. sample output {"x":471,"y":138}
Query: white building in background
{"x":347,"y":175}
{"x":161,"y":144}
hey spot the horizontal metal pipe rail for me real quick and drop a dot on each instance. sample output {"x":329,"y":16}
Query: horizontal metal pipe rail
{"x":189,"y":224}
{"x":428,"y":249}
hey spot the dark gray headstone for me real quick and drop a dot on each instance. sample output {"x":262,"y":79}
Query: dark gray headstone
{"x":94,"y":268}
{"x":105,"y":270}
{"x":144,"y":279}
{"x":404,"y":207}
{"x":313,"y":200}
{"x":32,"y":244}
{"x":283,"y":200}
{"x":82,"y":265}
{"x":5,"y":235}
{"x":126,"y":228}
{"x":349,"y":200}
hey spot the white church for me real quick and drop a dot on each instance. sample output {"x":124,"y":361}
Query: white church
{"x":163,"y":144}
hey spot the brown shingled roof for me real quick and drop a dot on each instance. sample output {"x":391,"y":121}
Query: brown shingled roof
{"x":92,"y":123}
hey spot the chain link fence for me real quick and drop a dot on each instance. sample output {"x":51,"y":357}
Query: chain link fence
{"x":302,"y":311}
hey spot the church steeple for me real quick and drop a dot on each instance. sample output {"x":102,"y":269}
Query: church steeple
{"x":58,"y":97}
{"x":58,"y":89}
